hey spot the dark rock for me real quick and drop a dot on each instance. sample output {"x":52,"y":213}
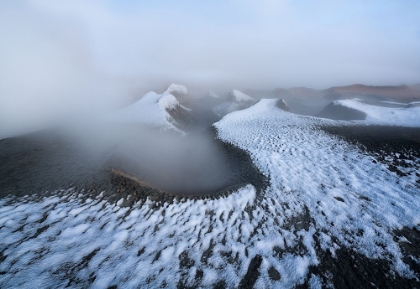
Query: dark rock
{"x":282,"y":105}
{"x":185,"y":261}
{"x":409,"y":240}
{"x":337,"y":111}
{"x":274,"y":274}
{"x":182,"y":117}
{"x":396,"y":147}
{"x":252,"y":274}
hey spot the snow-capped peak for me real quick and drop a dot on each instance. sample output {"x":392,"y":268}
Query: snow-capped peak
{"x":168,"y":101}
{"x":282,"y":104}
{"x":151,"y":109}
{"x":238,"y":96}
{"x":176,"y":89}
{"x":212,"y":94}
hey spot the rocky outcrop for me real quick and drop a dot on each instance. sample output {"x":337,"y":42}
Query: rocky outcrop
{"x":282,"y":105}
{"x":181,"y":116}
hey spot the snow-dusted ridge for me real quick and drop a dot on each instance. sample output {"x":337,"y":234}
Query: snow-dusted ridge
{"x":236,"y":101}
{"x":178,"y":89}
{"x":238,"y":96}
{"x":157,"y":110}
{"x":310,"y":169}
{"x":400,"y":116}
{"x":152,"y":109}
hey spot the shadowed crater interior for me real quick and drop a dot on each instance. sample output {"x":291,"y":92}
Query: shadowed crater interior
{"x":193,"y":165}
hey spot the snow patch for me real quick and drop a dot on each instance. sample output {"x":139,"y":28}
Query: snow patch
{"x":400,"y":116}
{"x":238,"y":96}
{"x":151,"y":109}
{"x":212,"y":94}
{"x":236,"y":101}
{"x":178,"y":89}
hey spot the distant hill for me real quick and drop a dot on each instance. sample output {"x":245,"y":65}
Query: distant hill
{"x":308,"y":101}
{"x":402,"y":93}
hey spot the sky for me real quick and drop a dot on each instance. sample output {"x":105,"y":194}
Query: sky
{"x":57,"y":54}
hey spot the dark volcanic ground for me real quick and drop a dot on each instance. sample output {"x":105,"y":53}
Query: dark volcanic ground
{"x":396,"y":147}
{"x":46,"y":161}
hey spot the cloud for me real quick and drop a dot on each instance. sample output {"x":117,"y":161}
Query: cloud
{"x":47,"y":72}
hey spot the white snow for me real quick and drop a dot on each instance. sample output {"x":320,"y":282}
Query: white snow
{"x":394,"y":102}
{"x":129,"y":247}
{"x":47,"y":241}
{"x":311,"y":169}
{"x":212,"y":94}
{"x":236,"y":101}
{"x":226,"y":107}
{"x":176,"y":88}
{"x":238,"y":96}
{"x":399,"y":116}
{"x":151,"y":109}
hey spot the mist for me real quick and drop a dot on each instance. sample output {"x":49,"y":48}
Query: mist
{"x":196,"y":164}
{"x":74,"y":59}
{"x":72,"y":63}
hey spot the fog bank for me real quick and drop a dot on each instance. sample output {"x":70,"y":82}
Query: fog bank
{"x":67,"y":59}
